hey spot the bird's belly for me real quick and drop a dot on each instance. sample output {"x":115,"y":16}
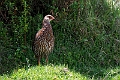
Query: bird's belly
{"x":45,"y":48}
{"x":48,"y":46}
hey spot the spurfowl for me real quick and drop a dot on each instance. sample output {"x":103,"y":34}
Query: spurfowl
{"x":44,"y":39}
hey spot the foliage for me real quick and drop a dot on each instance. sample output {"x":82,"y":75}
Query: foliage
{"x":87,"y":34}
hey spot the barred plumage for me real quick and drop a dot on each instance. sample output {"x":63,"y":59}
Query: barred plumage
{"x":44,"y":39}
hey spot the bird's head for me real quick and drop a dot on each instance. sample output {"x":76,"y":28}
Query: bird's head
{"x":49,"y":18}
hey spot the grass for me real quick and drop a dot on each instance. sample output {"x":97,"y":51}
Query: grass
{"x":56,"y":72}
{"x":49,"y":72}
{"x":112,"y":74}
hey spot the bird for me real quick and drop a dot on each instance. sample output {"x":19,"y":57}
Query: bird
{"x":44,"y":40}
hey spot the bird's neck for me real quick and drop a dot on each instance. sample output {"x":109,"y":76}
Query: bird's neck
{"x":46,"y":23}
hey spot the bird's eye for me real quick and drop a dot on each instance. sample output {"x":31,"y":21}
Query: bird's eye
{"x":49,"y":17}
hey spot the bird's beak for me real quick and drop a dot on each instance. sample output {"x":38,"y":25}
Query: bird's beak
{"x":53,"y":18}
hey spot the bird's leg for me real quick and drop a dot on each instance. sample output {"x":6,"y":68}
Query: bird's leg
{"x":38,"y":60}
{"x":46,"y":59}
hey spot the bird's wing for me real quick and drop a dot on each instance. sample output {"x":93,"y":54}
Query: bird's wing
{"x":39,"y":33}
{"x":38,"y":42}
